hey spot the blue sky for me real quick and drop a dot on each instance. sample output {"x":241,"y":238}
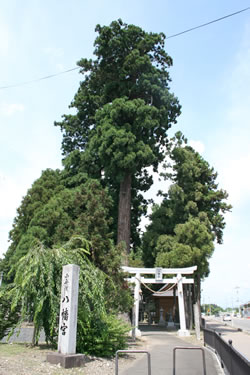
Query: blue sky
{"x":210,"y":76}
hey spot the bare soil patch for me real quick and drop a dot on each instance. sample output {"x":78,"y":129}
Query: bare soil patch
{"x":23,"y":359}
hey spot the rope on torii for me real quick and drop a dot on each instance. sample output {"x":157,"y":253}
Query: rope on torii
{"x":155,"y":291}
{"x":178,"y":281}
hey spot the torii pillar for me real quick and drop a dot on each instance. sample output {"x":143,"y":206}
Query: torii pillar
{"x":183,"y":329}
{"x":179,"y":280}
{"x":137,"y":332}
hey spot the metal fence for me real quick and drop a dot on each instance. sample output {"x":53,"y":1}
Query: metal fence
{"x":231,"y":359}
{"x":132,"y":352}
{"x":189,"y":348}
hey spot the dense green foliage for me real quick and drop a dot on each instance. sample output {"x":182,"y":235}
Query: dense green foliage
{"x":8,"y":316}
{"x":54,"y":209}
{"x":102,"y":336}
{"x":58,"y":206}
{"x":192,"y":244}
{"x":191,"y":217}
{"x":37,"y":286}
{"x":131,"y":64}
{"x":123,"y":111}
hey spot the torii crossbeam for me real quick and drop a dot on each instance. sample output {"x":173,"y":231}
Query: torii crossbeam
{"x":159,"y":273}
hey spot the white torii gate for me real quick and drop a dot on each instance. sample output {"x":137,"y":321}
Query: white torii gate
{"x":179,"y":280}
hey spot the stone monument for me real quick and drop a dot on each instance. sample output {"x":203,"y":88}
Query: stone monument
{"x":170,"y":320}
{"x":162,"y":321}
{"x":66,"y":355}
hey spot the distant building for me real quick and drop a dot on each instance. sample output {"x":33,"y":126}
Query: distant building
{"x":245,"y":310}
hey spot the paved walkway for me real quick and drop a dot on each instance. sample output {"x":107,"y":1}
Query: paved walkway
{"x":161,"y":345}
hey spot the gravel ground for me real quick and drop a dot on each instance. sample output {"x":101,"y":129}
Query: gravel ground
{"x":22,"y":359}
{"x":18,"y":357}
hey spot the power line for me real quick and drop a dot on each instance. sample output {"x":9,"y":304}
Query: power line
{"x":77,"y":68}
{"x":208,"y":23}
{"x":38,"y":79}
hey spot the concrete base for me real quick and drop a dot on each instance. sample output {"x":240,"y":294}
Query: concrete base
{"x":171,"y":324}
{"x":183,"y":332}
{"x":162,"y":324}
{"x":135,"y":332}
{"x":66,"y":360}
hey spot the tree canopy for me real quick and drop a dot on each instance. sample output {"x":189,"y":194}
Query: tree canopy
{"x":54,"y":209}
{"x":191,"y":244}
{"x":123,"y":111}
{"x":191,"y":216}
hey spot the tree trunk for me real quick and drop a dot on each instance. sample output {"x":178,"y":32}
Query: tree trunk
{"x":34,"y":341}
{"x":174,"y":307}
{"x":199,"y":292}
{"x":190,"y":307}
{"x":185,"y":297}
{"x":124,"y":212}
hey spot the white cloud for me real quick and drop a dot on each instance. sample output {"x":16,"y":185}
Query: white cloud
{"x":197,"y":146}
{"x":10,"y":109}
{"x":236,"y":178}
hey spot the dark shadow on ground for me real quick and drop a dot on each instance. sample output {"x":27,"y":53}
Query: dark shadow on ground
{"x":220,"y":328}
{"x":144,"y":327}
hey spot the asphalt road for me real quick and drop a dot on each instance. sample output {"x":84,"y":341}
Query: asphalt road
{"x":229,"y":331}
{"x":242,"y":323}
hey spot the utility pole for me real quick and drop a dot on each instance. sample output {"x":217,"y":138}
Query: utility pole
{"x":237,"y":296}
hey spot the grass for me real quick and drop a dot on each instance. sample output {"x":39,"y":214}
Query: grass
{"x":9,"y":349}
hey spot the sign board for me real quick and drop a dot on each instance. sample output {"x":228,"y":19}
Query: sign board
{"x":68,"y":309}
{"x":158,"y":274}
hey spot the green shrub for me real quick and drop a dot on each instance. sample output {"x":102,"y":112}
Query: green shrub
{"x":101,"y":336}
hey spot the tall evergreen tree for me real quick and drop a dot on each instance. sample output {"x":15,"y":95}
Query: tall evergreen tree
{"x":123,"y":111}
{"x":191,"y":213}
{"x":190,"y":219}
{"x":55,"y":208}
